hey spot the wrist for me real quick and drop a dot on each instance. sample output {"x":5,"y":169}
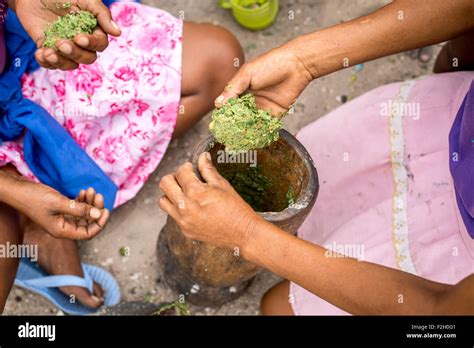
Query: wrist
{"x":9,"y":188}
{"x":257,"y":238}
{"x":302,"y":49}
{"x":321,"y":54}
{"x":12,"y":190}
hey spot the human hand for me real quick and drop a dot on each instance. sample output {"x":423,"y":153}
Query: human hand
{"x":79,"y":219}
{"x":211,"y":212}
{"x":276,"y":79}
{"x":36,"y":15}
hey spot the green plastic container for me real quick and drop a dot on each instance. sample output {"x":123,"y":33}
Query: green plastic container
{"x":253,"y":18}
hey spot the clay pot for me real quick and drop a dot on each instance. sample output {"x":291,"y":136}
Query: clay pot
{"x":211,"y":276}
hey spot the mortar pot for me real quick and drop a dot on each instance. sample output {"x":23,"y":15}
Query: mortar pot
{"x":211,"y":276}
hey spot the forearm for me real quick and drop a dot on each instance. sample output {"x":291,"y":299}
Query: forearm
{"x":397,"y":27}
{"x":354,"y":286}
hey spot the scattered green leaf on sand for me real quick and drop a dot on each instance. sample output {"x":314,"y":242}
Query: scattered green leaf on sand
{"x":174,"y":309}
{"x":240,"y":126}
{"x":124,"y":251}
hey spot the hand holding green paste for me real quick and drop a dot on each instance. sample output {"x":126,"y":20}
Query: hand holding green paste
{"x":240,"y":126}
{"x":68,"y":26}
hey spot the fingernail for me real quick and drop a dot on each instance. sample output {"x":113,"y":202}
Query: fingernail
{"x":65,"y":48}
{"x":219,"y":100}
{"x":96,"y":299}
{"x":83,"y":41}
{"x":95,"y":213}
{"x":208,"y":156}
{"x":115,"y":25}
{"x":52,"y":59}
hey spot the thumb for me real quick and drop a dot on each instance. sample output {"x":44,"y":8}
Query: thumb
{"x":79,"y":209}
{"x":237,"y":86}
{"x":103,"y":15}
{"x":207,"y":170}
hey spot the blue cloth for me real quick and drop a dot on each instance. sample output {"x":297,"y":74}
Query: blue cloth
{"x":108,"y":2}
{"x":461,"y":149}
{"x":50,"y":151}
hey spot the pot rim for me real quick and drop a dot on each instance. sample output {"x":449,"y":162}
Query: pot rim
{"x":309,"y":192}
{"x":261,"y":9}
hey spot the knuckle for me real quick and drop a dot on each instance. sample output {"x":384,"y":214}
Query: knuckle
{"x":183,"y":205}
{"x":188,"y":166}
{"x":161,"y":203}
{"x":39,"y":57}
{"x":193,"y":189}
{"x":185,"y":226}
{"x":82,"y":210}
{"x":56,"y":230}
{"x":102,"y":47}
{"x":210,"y":166}
{"x":184,"y":167}
{"x":165,"y":181}
{"x":53,"y":201}
{"x":245,"y":70}
{"x":90,"y":59}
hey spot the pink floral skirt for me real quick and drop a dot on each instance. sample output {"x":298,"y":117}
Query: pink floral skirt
{"x":123,"y":108}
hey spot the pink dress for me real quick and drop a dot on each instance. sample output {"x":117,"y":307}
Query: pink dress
{"x":386,"y":190}
{"x":122,"y":109}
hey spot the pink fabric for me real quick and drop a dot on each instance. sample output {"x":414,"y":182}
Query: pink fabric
{"x":122,"y":109}
{"x":351,"y":149}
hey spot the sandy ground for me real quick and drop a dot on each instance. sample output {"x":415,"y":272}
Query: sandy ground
{"x":137,"y":224}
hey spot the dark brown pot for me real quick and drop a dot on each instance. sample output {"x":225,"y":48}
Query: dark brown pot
{"x":211,"y":276}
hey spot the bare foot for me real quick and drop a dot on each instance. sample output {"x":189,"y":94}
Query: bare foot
{"x":61,"y":256}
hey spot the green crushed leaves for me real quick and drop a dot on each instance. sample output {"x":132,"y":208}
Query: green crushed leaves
{"x":290,"y":196}
{"x":252,"y":185}
{"x":240,"y":126}
{"x":174,"y":309}
{"x":68,"y":26}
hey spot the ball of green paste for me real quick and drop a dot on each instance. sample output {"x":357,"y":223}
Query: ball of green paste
{"x":240,"y":126}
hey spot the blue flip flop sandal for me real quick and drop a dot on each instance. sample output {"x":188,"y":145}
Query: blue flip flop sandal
{"x":31,"y":277}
